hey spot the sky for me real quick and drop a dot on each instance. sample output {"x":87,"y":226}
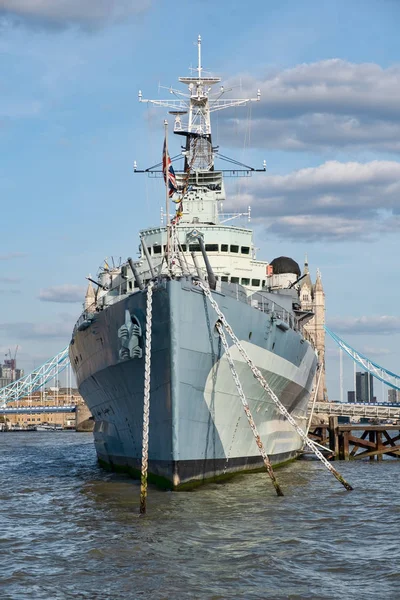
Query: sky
{"x":327,"y":125}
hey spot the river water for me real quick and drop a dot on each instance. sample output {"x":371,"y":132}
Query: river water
{"x":70,"y":530}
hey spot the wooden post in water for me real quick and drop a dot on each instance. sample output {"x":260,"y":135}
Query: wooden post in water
{"x":372,"y":438}
{"x":346,"y":435}
{"x":333,"y":436}
{"x":379,"y":445}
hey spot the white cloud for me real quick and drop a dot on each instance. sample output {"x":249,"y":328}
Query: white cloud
{"x":373,"y":325}
{"x":334,"y":201}
{"x":331,"y":103}
{"x":63,"y":293}
{"x":89,"y":13}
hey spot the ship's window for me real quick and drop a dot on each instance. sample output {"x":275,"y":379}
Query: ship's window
{"x":194,"y":247}
{"x":234,"y":279}
{"x":255,"y":282}
{"x":263,"y":283}
{"x":245,"y":281}
{"x":245,"y":250}
{"x":184,"y":247}
{"x":130,"y":285}
{"x":135,"y":284}
{"x":224,"y":247}
{"x":235,"y":249}
{"x":157,"y":249}
{"x":149,"y":249}
{"x":212,"y":247}
{"x":216,"y":278}
{"x":165,"y":249}
{"x":224,"y":278}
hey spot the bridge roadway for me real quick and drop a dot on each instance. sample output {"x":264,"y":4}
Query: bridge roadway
{"x":31,"y":410}
{"x":376,"y":410}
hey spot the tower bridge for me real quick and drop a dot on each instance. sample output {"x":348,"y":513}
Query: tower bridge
{"x":378,"y":410}
{"x":40,"y":409}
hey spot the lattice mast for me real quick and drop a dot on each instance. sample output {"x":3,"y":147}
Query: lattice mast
{"x":191,"y":111}
{"x":192,"y":114}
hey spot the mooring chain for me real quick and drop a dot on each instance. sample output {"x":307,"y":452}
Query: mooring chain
{"x":231,"y":446}
{"x":270,"y":392}
{"x":146,"y":403}
{"x":246,"y":407}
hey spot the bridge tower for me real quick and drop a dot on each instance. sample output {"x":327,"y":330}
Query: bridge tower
{"x":312,"y":297}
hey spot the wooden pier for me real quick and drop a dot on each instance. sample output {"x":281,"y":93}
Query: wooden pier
{"x":358,"y":441}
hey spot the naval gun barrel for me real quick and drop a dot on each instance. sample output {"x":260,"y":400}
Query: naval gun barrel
{"x":103,"y":287}
{"x":136,"y":275}
{"x":297,"y":281}
{"x":147,"y":255}
{"x":212,"y":282}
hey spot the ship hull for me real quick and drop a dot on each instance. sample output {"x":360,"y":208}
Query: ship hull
{"x":198,"y":429}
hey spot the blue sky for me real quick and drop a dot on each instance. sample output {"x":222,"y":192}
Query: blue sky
{"x":328,"y":125}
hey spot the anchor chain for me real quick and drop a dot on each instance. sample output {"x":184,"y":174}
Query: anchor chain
{"x":146,"y":402}
{"x":257,"y":374}
{"x":246,"y":407}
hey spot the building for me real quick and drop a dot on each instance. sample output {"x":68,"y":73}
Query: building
{"x":364,"y":387}
{"x":47,"y":397}
{"x":393,"y":396}
{"x":312,"y":298}
{"x":9,"y":372}
{"x":351,"y":396}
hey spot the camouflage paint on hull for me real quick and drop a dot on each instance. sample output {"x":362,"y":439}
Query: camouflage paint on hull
{"x":198,"y":430}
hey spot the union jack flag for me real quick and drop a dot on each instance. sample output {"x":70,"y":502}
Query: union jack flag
{"x":167,"y":166}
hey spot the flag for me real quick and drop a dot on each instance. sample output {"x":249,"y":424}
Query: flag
{"x":167,"y":167}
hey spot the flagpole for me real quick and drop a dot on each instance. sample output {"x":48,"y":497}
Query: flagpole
{"x":166,"y":191}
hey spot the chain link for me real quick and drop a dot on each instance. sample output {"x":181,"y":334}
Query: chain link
{"x":146,"y":403}
{"x":231,"y":446}
{"x":257,"y":374}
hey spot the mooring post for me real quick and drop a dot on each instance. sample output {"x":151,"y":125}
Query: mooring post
{"x":333,"y":436}
{"x":372,"y":438}
{"x":379,"y":445}
{"x":340,"y":445}
{"x":146,"y":402}
{"x":346,"y":435}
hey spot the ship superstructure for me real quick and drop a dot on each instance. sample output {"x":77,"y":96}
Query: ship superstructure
{"x":197,"y":430}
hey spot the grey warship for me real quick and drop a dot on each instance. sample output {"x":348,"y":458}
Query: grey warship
{"x":198,"y":430}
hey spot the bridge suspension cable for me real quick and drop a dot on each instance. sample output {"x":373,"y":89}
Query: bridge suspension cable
{"x":387,"y":377}
{"x":35,"y":380}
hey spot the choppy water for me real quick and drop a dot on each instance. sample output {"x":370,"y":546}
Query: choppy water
{"x":69,"y":530}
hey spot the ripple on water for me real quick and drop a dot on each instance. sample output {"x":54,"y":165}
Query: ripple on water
{"x":70,"y":530}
